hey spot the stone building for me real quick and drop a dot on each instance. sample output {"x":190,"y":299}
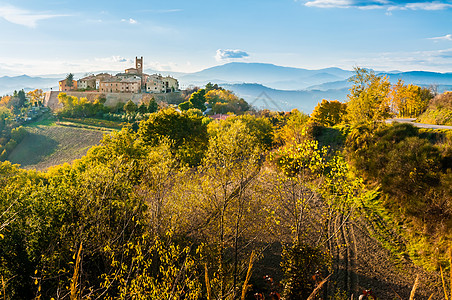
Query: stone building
{"x":133,"y":80}
{"x":92,"y":82}
{"x":63,"y":87}
{"x":118,"y":84}
{"x":158,"y":84}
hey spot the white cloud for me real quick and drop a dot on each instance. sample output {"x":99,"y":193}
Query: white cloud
{"x":428,"y":6}
{"x":329,"y":3}
{"x":24,"y":17}
{"x":227,"y":54}
{"x":115,"y":59}
{"x":447,"y":37}
{"x":130,"y":21}
{"x":381,"y":4}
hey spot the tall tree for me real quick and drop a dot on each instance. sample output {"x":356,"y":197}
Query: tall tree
{"x":70,"y":80}
{"x":130,"y":107}
{"x":230,"y":170}
{"x":409,"y":100}
{"x":368,"y":98}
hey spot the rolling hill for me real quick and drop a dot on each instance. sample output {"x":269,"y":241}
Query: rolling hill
{"x":50,"y":144}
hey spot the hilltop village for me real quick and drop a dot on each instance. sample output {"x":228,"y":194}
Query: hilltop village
{"x":132,"y":84}
{"x":133,"y":80}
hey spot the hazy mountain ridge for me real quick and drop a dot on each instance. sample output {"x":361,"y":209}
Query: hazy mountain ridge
{"x":8,"y":84}
{"x":287,"y":87}
{"x":262,"y":97}
{"x":273,"y":76}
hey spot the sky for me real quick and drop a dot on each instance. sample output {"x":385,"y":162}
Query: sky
{"x":56,"y":36}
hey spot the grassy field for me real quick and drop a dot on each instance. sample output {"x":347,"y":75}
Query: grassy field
{"x":49,"y":144}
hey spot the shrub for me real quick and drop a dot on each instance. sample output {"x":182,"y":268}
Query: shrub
{"x":300,"y":263}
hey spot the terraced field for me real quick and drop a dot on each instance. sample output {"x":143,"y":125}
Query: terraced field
{"x":51,"y":144}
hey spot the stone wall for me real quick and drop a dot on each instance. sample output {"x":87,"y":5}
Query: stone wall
{"x":51,"y":98}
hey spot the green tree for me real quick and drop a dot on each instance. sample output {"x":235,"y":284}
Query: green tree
{"x":22,"y":98}
{"x":70,"y":80}
{"x":404,"y":164}
{"x":259,"y":128}
{"x":186,"y":133}
{"x":185,"y":105}
{"x":210,"y":86}
{"x":142,"y":108}
{"x":300,"y":262}
{"x":153,"y":106}
{"x":197,"y":99}
{"x":130,"y":107}
{"x":6,"y":117}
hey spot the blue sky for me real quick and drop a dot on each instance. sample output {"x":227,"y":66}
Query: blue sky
{"x":58,"y":36}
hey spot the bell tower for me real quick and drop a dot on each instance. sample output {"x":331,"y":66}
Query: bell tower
{"x":139,"y":65}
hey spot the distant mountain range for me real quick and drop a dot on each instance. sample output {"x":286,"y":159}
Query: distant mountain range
{"x":263,"y":85}
{"x":10,"y":84}
{"x":263,"y":97}
{"x":277,"y":77}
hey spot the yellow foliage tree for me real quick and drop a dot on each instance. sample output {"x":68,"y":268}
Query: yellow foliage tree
{"x":329,"y":113}
{"x":36,"y":96}
{"x":5,"y":100}
{"x":409,"y":100}
{"x":369,"y":97}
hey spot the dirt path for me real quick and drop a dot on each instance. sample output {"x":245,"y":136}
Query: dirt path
{"x":361,"y":262}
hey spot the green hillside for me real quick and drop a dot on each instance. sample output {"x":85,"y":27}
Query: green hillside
{"x":49,"y":144}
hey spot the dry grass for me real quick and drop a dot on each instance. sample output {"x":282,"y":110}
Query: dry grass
{"x":413,"y":290}
{"x":318,"y":288}
{"x":248,"y":276}
{"x":208,"y":287}
{"x":75,"y":276}
{"x":47,"y":146}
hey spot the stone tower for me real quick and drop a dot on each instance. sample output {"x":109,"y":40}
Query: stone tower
{"x":139,"y":65}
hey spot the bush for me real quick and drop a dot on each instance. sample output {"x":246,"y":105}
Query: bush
{"x":300,"y":263}
{"x":19,"y":134}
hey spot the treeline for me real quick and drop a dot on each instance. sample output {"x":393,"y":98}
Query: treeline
{"x":372,"y":98}
{"x":74,"y":107}
{"x":211,"y":100}
{"x":186,"y":207}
